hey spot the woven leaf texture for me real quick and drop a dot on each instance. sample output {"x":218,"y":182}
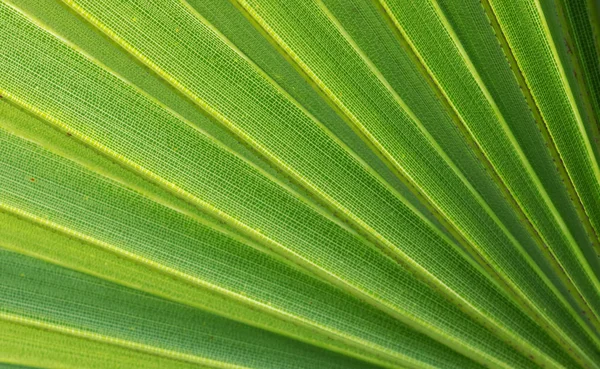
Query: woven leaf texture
{"x":299,"y":184}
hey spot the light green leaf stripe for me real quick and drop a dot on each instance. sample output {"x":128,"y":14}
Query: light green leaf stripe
{"x":36,"y":347}
{"x":40,"y":294}
{"x":55,"y":15}
{"x":119,"y":120}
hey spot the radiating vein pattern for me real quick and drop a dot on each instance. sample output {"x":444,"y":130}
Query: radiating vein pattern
{"x":481,"y":113}
{"x":582,"y":21}
{"x":299,"y":184}
{"x":321,"y":243}
{"x":186,"y":81}
{"x":560,"y":107}
{"x":53,"y":296}
{"x":216,"y":261}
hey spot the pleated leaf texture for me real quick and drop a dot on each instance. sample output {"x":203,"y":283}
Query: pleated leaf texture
{"x":343,"y":184}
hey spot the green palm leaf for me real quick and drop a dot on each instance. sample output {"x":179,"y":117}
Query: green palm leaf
{"x":299,"y":184}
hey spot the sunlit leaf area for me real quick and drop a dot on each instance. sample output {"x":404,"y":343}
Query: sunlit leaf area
{"x":299,"y":184}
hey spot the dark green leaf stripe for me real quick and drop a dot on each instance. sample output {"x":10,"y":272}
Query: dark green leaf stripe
{"x":51,"y":297}
{"x":581,"y":19}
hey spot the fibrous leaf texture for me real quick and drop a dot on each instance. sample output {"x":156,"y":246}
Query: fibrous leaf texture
{"x":299,"y":184}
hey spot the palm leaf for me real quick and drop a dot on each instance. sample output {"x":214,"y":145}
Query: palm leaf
{"x":299,"y":184}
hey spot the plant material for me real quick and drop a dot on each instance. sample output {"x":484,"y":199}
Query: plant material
{"x":299,"y":184}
